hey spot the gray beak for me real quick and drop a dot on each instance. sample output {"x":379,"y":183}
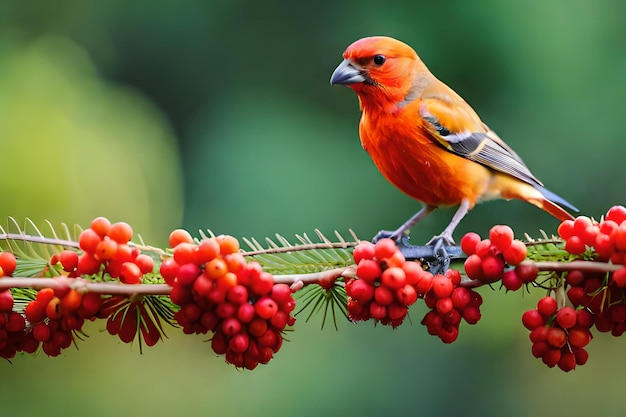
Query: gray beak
{"x":346,"y":74}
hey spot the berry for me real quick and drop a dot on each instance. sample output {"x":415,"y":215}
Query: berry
{"x":501,"y":236}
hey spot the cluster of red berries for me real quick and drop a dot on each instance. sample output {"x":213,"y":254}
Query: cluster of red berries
{"x":603,"y":297}
{"x":386,"y":284}
{"x":12,"y":325}
{"x":106,"y":244}
{"x":55,"y":315}
{"x":488,"y":258}
{"x":449,"y":303}
{"x":607,"y":237}
{"x":559,"y":335}
{"x":219,"y":292}
{"x":128,"y":318}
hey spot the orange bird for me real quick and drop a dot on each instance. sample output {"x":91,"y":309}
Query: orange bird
{"x":427,"y":141}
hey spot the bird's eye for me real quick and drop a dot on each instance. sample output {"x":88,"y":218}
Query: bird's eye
{"x":379,"y":59}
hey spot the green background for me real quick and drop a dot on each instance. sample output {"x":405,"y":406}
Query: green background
{"x":219,"y":115}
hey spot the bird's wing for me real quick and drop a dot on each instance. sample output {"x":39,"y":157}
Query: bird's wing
{"x":459,"y":130}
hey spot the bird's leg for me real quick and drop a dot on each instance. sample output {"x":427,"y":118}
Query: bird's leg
{"x":400,"y":231}
{"x":446,"y":235}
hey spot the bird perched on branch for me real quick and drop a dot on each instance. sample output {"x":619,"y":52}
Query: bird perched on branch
{"x":427,"y":141}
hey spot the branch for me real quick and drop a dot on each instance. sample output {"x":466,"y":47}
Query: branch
{"x":84,"y":286}
{"x":583,"y":266}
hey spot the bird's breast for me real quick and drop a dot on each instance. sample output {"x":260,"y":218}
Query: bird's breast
{"x":407,"y":157}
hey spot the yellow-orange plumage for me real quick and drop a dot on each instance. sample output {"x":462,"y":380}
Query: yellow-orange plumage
{"x":426,"y":140}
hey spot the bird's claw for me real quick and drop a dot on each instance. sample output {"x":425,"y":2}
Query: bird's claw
{"x":383,"y":234}
{"x":436,"y":254}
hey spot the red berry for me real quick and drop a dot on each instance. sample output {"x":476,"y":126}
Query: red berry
{"x":169,"y":270}
{"x":385,"y":248}
{"x":501,"y":237}
{"x":575,"y":278}
{"x":383,"y":295}
{"x":471,"y":314}
{"x":237,"y":294}
{"x":368,"y":270}
{"x":360,"y":290}
{"x":575,"y":245}
{"x":493,"y":268}
{"x":473,"y":267}
{"x":262,"y":283}
{"x":532,"y":319}
{"x":41,"y":332}
{"x":100,"y":225}
{"x":7,"y":264}
{"x":364,"y":250}
{"x":187,"y":273}
{"x":527,"y":271}
{"x":228,"y":244}
{"x":179,"y":236}
{"x":539,"y":349}
{"x":579,"y":337}
{"x":512,"y":281}
{"x":566,"y":317}
{"x":71,"y":301}
{"x":442,"y":286}
{"x":265,"y":307}
{"x":584,"y":318}
{"x":231,"y":326}
{"x":413,"y":272}
{"x":616,"y":214}
{"x":449,"y":335}
{"x":581,"y":356}
{"x":469,"y":242}
{"x":484,"y":248}
{"x":515,"y":253}
{"x":377,"y":311}
{"x":145,"y":263}
{"x":406,"y":295}
{"x":281,"y":293}
{"x":546,"y":306}
{"x":35,"y":311}
{"x":120,"y":232}
{"x":567,"y":362}
{"x":393,"y":278}
{"x":88,"y":240}
{"x":106,"y":249}
{"x":566,"y":229}
{"x":444,"y":305}
{"x":580,"y":224}
{"x":130,"y":273}
{"x":69,"y":260}
{"x":207,"y":250}
{"x":556,"y":337}
{"x":425,"y":283}
{"x":619,"y":277}
{"x":6,"y":302}
{"x":461,"y":297}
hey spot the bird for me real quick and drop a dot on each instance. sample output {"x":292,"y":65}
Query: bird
{"x":428,"y":141}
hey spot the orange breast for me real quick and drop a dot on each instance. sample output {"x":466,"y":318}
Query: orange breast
{"x":414,"y":163}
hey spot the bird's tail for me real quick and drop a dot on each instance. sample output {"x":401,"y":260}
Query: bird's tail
{"x":552,"y":204}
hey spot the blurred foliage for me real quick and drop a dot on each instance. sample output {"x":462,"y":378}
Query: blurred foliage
{"x":218,"y":114}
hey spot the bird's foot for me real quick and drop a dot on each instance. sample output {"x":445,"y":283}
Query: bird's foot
{"x":442,"y":239}
{"x":441,"y":257}
{"x":391,"y":234}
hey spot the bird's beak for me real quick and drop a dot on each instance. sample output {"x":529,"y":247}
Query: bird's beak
{"x":346,"y":74}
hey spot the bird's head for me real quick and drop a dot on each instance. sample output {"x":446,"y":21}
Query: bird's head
{"x":381,"y":70}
